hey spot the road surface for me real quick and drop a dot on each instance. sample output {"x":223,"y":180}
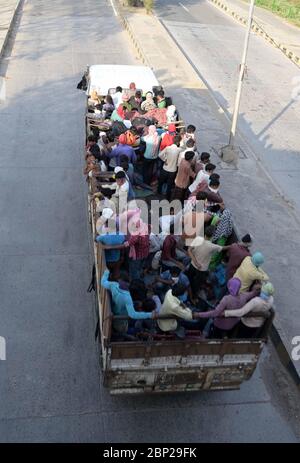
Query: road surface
{"x":50,"y":383}
{"x":269,"y":112}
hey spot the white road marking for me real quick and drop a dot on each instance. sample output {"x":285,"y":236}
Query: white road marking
{"x":113,"y":7}
{"x":184,"y":7}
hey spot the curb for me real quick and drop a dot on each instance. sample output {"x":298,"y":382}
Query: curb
{"x":134,"y":40}
{"x":275,"y":334}
{"x":11,"y":26}
{"x":259,"y":31}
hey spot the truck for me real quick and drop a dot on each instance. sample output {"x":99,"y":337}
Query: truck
{"x":159,"y":363}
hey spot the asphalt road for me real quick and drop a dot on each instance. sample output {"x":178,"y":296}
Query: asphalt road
{"x":269,"y":114}
{"x":50,"y":383}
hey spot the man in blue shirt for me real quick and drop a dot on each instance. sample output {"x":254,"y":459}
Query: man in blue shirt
{"x":112,"y":244}
{"x":122,"y":149}
{"x":122,"y":303}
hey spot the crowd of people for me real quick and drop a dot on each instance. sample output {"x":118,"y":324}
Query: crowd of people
{"x":213,"y":286}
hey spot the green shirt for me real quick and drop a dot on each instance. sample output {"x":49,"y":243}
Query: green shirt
{"x":162,"y":104}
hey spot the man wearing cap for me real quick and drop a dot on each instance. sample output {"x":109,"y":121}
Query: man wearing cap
{"x":249,"y":326}
{"x":122,"y":149}
{"x":236,"y":253}
{"x":184,"y":174}
{"x":250,"y":270}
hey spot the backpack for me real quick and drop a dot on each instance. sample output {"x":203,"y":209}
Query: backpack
{"x":82,"y":85}
{"x":130,"y":138}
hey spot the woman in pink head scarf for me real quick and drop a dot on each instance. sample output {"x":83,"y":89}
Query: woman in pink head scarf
{"x":152,"y":141}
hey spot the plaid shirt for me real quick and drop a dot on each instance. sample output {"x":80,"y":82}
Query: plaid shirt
{"x":141,"y":245}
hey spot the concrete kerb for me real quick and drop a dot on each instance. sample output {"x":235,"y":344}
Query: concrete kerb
{"x":277,"y":335}
{"x":258,"y":30}
{"x":11,"y":26}
{"x":133,"y":38}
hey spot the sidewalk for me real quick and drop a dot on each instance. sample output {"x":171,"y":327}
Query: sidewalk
{"x":257,"y":206}
{"x":283,"y":33}
{"x":8,"y":9}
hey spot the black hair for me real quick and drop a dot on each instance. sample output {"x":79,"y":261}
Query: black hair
{"x":205,"y":156}
{"x":201,"y":196}
{"x":246,"y":238}
{"x":119,"y":89}
{"x":215,"y":208}
{"x":134,"y":130}
{"x":209,"y":231}
{"x":121,"y":174}
{"x":124,"y":158}
{"x":189,"y":155}
{"x":107,"y":193}
{"x":177,"y":140}
{"x":110,"y":135}
{"x":109,"y":99}
{"x":175,"y":271}
{"x":178,"y":289}
{"x":190,"y":142}
{"x":149,"y":305}
{"x":92,"y":138}
{"x":214,"y":182}
{"x":161,"y":93}
{"x":210,"y":166}
{"x":214,"y":177}
{"x":191,"y":128}
{"x":138,"y":94}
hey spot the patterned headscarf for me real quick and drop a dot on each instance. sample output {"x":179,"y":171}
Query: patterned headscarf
{"x":224,"y":227}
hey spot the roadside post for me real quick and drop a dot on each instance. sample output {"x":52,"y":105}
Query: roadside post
{"x":229,"y":153}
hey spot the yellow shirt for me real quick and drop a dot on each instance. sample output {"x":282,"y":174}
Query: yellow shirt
{"x":248,"y":273}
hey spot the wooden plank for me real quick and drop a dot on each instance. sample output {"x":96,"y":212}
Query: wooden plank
{"x":127,"y":350}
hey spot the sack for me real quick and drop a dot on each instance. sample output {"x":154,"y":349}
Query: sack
{"x":155,"y":264}
{"x":118,"y":128}
{"x":130,"y":138}
{"x":82,"y":85}
{"x":139,"y":122}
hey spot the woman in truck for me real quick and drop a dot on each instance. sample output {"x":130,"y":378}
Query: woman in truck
{"x":250,"y":326}
{"x":219,"y":326}
{"x":152,"y":140}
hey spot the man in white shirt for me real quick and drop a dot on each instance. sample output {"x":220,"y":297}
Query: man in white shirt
{"x":120,"y":196}
{"x":169,"y":156}
{"x":203,"y":174}
{"x":189,"y":146}
{"x":117,"y":97}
